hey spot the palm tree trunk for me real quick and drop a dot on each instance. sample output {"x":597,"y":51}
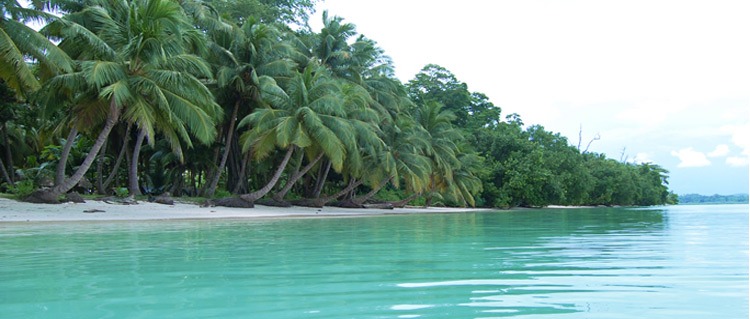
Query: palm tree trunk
{"x":50,"y":195}
{"x":403,"y":202}
{"x":211,"y":189}
{"x":100,"y":168}
{"x":279,"y":196}
{"x":179,"y":180}
{"x":118,"y":161}
{"x":61,"y":165}
{"x":242,"y":182}
{"x":133,"y":187}
{"x":321,"y":180}
{"x":431,"y":191}
{"x":362,"y":199}
{"x":8,"y":154}
{"x":5,"y":173}
{"x":325,"y":200}
{"x":252,"y":197}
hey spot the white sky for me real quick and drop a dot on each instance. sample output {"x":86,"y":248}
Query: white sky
{"x":668,"y":81}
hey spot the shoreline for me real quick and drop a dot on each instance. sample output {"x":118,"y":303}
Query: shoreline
{"x":12,"y":211}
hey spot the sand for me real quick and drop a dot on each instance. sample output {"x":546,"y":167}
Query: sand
{"x":14,"y":211}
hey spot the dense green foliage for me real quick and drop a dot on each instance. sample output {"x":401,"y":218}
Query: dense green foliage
{"x":713,"y":199}
{"x":241,"y":97}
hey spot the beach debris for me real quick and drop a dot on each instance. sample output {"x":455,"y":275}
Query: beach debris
{"x":231,"y":202}
{"x":272,"y":202}
{"x":93,"y":211}
{"x":345,"y":204}
{"x":165,"y":199}
{"x":130,"y":200}
{"x":74,"y":197}
{"x":379,"y":205}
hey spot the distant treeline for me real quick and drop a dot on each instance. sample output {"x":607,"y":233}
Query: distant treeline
{"x":713,"y":199}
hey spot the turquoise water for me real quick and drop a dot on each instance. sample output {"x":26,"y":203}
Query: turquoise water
{"x":673,"y":262}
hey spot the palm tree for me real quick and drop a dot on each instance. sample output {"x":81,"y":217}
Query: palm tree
{"x":308,"y":114}
{"x":137,"y":62}
{"x":253,"y":57}
{"x":18,"y":42}
{"x":366,"y":142}
{"x":331,"y":45}
{"x":442,"y":137}
{"x":402,"y":162}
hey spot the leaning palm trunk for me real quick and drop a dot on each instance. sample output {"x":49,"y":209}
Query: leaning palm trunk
{"x":105,"y":185}
{"x":8,"y":155}
{"x":320,"y":202}
{"x":321,"y":180}
{"x":403,"y":202}
{"x":214,"y":182}
{"x":5,"y":173}
{"x":50,"y":195}
{"x":362,"y":199}
{"x":133,"y":187}
{"x":279,"y":196}
{"x":252,"y":197}
{"x":242,"y":182}
{"x":60,"y":173}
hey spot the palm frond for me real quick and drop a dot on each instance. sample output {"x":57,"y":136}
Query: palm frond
{"x":14,"y":70}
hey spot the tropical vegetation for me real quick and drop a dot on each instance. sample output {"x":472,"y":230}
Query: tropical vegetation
{"x":242,"y":99}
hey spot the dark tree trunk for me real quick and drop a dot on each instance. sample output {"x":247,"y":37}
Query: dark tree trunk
{"x":50,"y":195}
{"x":322,"y":176}
{"x":214,"y":182}
{"x":133,"y":187}
{"x":116,"y":167}
{"x":234,"y":166}
{"x":8,"y":155}
{"x":5,"y":173}
{"x":279,"y":196}
{"x":241,"y":186}
{"x":100,"y":168}
{"x":61,"y":165}
{"x":179,"y":181}
{"x":403,"y":202}
{"x":252,"y":197}
{"x":362,"y":199}
{"x":353,"y":183}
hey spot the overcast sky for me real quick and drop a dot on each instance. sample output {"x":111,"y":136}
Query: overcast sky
{"x":667,"y":81}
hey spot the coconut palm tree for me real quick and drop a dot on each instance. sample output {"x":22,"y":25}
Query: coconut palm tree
{"x":331,"y":46}
{"x":442,"y":137}
{"x":308,"y":114}
{"x":402,"y":162}
{"x":136,"y":62}
{"x":255,"y":57}
{"x":366,"y":142}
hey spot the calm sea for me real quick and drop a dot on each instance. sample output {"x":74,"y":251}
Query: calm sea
{"x":666,"y":262}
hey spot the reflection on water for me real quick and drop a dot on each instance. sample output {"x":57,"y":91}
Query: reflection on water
{"x":686,"y":262}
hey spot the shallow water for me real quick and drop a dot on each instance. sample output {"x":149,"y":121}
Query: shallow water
{"x":669,"y":262}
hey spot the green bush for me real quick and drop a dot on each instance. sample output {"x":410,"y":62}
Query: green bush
{"x":222,"y":193}
{"x":22,"y":189}
{"x":121,"y":192}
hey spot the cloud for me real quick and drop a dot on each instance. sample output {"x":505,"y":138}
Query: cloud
{"x":691,"y":158}
{"x":737,"y":161}
{"x":641,"y":158}
{"x":721,"y":150}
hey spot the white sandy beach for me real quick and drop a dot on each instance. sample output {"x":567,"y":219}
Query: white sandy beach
{"x":15,"y":211}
